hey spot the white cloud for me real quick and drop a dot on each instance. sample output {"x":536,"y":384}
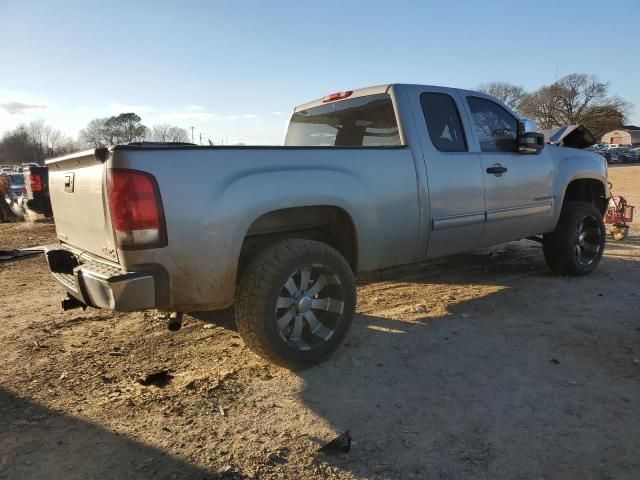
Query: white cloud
{"x":195,"y":108}
{"x":277,"y":113}
{"x":125,"y":108}
{"x":20,"y":108}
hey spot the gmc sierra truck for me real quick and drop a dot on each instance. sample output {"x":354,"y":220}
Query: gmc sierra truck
{"x":367,"y":179}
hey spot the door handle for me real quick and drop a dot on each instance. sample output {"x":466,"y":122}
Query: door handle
{"x":496,"y":169}
{"x":68,"y":182}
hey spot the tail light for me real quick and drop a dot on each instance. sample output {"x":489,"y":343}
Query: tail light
{"x":35,"y":182}
{"x":136,"y":210}
{"x":332,"y":97}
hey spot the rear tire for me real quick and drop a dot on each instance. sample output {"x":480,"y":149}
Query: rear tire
{"x":575,"y":247}
{"x":295,"y":302}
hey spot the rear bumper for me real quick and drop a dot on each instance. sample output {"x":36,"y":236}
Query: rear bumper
{"x":107,"y":286}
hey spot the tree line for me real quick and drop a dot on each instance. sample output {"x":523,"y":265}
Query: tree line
{"x":577,"y":98}
{"x":37,"y":141}
{"x":34,"y":143}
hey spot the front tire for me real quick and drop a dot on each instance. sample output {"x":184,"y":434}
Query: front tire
{"x":295,"y":302}
{"x":575,"y":247}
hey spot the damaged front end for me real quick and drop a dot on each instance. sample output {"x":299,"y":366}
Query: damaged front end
{"x":572,"y":136}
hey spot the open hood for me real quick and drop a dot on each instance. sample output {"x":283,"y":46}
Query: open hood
{"x":573,"y":136}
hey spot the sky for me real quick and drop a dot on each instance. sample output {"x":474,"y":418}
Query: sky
{"x":234,"y":70}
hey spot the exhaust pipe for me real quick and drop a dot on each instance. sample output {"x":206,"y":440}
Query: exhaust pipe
{"x":175,"y":321}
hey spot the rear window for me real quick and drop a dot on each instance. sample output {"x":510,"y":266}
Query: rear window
{"x":359,"y":122}
{"x":443,"y":122}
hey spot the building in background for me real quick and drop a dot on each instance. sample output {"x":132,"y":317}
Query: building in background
{"x":627,"y":135}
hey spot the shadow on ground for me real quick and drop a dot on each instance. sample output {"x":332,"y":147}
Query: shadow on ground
{"x":82,"y":450}
{"x":537,"y":380}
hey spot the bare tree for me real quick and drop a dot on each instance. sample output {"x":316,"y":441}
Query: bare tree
{"x":37,"y":132}
{"x":576,"y":99}
{"x":541,"y":105}
{"x":35,"y":143}
{"x":15,"y":147}
{"x":164,"y":132}
{"x":55,"y":140}
{"x":160,"y":132}
{"x":95,"y":134}
{"x":177,"y":134}
{"x":510,"y":95}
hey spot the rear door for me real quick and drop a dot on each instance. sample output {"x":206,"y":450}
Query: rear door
{"x":518,"y":187}
{"x":454,"y":175}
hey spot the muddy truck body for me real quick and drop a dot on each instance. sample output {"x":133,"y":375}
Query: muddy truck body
{"x":366,"y":179}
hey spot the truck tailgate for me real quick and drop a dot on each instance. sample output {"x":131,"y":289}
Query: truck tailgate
{"x":76,"y":184}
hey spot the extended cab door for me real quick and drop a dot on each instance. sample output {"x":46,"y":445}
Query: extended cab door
{"x":454,"y":174}
{"x":518,"y":187}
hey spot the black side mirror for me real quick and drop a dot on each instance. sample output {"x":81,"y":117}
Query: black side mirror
{"x":530,"y":142}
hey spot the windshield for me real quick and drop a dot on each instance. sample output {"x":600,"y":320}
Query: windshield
{"x":359,"y":122}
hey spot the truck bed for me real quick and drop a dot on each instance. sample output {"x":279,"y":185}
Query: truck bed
{"x":212,"y":196}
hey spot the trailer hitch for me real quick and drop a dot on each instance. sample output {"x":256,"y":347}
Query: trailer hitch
{"x":69,"y":303}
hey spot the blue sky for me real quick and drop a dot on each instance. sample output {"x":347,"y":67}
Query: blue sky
{"x":235,"y":69}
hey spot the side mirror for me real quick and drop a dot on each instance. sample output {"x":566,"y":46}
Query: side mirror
{"x":529,"y":142}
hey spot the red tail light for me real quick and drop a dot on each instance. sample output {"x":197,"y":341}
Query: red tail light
{"x":136,"y":210}
{"x":337,"y":96}
{"x":35,"y":182}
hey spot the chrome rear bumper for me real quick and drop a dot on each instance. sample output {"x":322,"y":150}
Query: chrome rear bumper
{"x":103,"y":285}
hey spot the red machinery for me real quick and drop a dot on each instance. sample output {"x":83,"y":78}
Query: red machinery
{"x":618,"y":214}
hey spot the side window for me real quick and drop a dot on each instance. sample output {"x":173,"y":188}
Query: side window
{"x":443,"y":122}
{"x":495,"y":127}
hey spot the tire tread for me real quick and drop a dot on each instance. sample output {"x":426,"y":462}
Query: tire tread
{"x":557,"y":244}
{"x":260,"y":276}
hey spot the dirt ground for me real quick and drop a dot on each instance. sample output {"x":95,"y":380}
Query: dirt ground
{"x":479,"y":366}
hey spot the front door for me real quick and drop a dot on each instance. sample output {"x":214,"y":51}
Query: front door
{"x":518,"y":187}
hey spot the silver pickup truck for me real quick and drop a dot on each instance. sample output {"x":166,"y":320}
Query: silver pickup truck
{"x":367,"y":179}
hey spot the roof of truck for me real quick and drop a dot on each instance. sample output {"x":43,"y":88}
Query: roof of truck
{"x":358,"y":92}
{"x":361,"y":92}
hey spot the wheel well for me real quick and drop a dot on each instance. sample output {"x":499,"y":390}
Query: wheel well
{"x":327,"y":224}
{"x":587,"y":190}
